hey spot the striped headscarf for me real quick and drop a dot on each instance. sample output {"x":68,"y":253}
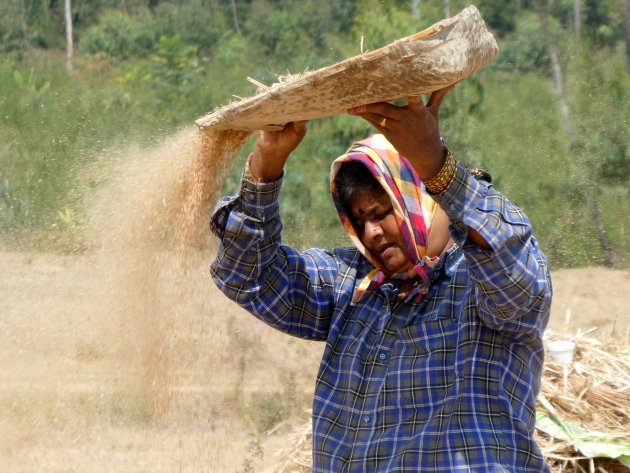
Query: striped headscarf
{"x":413,"y":208}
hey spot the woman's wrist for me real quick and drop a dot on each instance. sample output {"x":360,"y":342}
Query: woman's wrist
{"x":247,"y":173}
{"x":264,"y":169}
{"x":442,"y":180}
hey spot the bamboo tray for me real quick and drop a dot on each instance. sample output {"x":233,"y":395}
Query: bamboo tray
{"x":441,"y":55}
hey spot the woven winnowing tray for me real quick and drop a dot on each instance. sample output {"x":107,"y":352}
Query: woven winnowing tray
{"x":441,"y":55}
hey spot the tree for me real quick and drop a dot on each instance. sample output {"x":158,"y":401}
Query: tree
{"x":235,"y":16}
{"x":577,"y":17}
{"x":625,"y":13}
{"x":415,"y":8}
{"x":69,"y":39}
{"x":585,"y":177}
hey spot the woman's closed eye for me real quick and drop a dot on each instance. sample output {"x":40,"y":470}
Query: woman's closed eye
{"x":384,"y":214}
{"x":377,"y":216}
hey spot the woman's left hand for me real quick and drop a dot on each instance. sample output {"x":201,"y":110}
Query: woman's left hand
{"x":412,"y":129}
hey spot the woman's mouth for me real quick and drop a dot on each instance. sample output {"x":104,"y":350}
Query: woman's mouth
{"x":387,"y":251}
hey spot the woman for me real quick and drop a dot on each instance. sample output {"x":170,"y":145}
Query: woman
{"x":432,"y":323}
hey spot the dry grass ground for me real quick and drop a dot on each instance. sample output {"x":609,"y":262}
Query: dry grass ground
{"x":85,"y":388}
{"x":592,"y":297}
{"x":82,"y":390}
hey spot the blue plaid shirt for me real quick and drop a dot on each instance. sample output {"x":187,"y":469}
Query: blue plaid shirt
{"x":447,"y":384}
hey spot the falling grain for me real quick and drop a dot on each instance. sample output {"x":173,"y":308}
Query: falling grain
{"x":147,"y":220}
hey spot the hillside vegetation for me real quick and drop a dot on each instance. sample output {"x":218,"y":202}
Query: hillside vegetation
{"x":550,"y":118}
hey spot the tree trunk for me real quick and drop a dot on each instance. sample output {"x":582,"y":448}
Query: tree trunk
{"x":235,"y":16}
{"x":585,"y":177}
{"x":46,"y":9}
{"x":24,"y":22}
{"x":625,"y":14}
{"x":577,"y":18}
{"x":69,"y":40}
{"x":415,"y":8}
{"x":447,"y":9}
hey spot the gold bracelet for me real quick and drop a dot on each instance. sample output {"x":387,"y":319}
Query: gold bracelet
{"x":247,"y":174}
{"x":445,"y":177}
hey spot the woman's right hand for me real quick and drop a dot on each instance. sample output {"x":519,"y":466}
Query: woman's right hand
{"x":272,"y":150}
{"x":412,"y":129}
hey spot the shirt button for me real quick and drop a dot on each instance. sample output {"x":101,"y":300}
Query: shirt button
{"x":367,"y":419}
{"x":383,"y":356}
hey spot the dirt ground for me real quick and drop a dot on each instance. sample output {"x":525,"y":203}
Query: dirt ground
{"x":82,"y":389}
{"x":592,"y":297}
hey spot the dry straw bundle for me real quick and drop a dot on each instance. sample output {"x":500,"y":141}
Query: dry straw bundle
{"x":590,"y":399}
{"x":592,"y":393}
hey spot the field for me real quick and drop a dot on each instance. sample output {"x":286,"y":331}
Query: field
{"x":87,"y":386}
{"x":122,"y":356}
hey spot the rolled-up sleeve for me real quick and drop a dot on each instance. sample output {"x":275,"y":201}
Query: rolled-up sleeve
{"x":511,"y":278}
{"x":291,"y":291}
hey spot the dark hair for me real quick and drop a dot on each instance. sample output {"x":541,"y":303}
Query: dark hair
{"x":354,"y":178}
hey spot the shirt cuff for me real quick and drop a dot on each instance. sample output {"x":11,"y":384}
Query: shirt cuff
{"x":464,"y":202}
{"x":254,"y":199}
{"x":257,"y":197}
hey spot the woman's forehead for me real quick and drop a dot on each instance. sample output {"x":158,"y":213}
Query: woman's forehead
{"x":364,"y":202}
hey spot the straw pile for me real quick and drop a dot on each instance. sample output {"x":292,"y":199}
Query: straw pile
{"x":593,"y":392}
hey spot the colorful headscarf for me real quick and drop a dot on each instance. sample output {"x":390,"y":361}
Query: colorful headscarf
{"x":413,"y":208}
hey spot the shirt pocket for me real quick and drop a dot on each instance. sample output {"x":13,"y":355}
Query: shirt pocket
{"x":424,"y":363}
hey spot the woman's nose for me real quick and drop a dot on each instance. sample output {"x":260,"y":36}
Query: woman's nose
{"x":372,"y":229}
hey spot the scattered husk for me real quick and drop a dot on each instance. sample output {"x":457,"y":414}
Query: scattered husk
{"x":298,"y":457}
{"x":593,"y":392}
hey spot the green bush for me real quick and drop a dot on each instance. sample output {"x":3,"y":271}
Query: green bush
{"x":381,"y":23}
{"x":12,"y":32}
{"x":524,"y":49}
{"x":120,"y":36}
{"x":144,"y":68}
{"x":53,"y":126}
{"x":198,"y":23}
{"x":262,"y":411}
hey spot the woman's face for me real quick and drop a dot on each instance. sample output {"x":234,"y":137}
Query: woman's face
{"x":378,"y":230}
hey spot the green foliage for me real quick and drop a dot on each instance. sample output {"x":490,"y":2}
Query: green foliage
{"x":174,"y":70}
{"x":145,"y":67}
{"x":67,"y":218}
{"x":120,"y":36}
{"x":380,"y":23}
{"x":601,"y":120}
{"x":277,"y":32}
{"x":32,"y":87}
{"x":199,"y":23}
{"x":13,"y":35}
{"x":262,"y":411}
{"x":52,"y":126}
{"x":524,"y":49}
{"x":499,"y":15}
{"x":293,"y":41}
